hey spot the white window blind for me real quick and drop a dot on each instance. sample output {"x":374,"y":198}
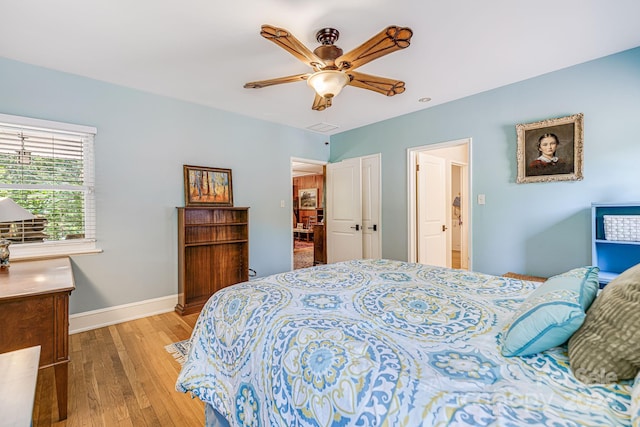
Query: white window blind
{"x":47,"y":168}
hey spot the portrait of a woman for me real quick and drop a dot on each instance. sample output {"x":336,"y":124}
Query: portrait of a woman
{"x":547,"y":162}
{"x":550,"y":150}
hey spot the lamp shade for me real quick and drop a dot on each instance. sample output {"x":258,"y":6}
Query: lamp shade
{"x":328,"y":83}
{"x":11,"y":211}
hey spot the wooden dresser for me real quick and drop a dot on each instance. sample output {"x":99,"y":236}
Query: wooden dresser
{"x":34,"y":310}
{"x":213,"y":252}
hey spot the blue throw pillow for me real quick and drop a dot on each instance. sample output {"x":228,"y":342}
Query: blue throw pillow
{"x":552,"y":313}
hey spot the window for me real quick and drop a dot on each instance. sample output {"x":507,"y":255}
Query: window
{"x":47,"y":169}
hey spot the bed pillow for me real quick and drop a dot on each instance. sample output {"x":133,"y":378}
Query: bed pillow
{"x":552,"y":313}
{"x":606,"y":348}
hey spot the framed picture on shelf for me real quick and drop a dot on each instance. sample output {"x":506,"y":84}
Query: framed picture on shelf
{"x":550,"y":150}
{"x":204,"y":186}
{"x":308,"y":198}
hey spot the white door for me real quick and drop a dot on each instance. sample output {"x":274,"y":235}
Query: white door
{"x":371,"y":240}
{"x":344,"y":210}
{"x":432,"y":215}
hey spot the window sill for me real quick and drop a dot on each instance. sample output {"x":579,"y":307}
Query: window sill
{"x":31,"y":251}
{"x":53,"y":255}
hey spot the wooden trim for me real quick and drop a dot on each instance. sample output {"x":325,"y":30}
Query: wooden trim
{"x":525,"y":277}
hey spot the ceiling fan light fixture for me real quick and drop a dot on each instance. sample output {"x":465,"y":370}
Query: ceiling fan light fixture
{"x":328,"y":83}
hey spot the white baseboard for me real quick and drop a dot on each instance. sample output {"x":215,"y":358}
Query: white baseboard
{"x":94,"y":319}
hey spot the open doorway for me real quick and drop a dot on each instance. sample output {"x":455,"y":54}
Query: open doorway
{"x":457,"y":171}
{"x":307,"y":215}
{"x":439,"y":204}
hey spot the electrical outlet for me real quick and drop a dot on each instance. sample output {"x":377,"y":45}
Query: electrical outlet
{"x":282,"y":203}
{"x":481,"y":199}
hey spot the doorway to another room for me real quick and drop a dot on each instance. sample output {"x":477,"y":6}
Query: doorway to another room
{"x":439,"y":204}
{"x":308,"y":182}
{"x":456,"y":215}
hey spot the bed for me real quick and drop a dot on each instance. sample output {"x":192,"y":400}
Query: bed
{"x":382,"y":342}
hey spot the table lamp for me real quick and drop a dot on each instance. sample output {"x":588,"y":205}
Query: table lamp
{"x":10,"y":212}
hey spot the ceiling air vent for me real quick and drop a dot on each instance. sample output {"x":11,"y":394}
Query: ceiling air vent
{"x":322,"y":127}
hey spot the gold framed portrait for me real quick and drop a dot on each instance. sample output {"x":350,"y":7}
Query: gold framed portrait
{"x":551,"y":150}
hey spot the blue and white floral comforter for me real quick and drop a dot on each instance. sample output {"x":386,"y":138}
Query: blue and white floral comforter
{"x":379,"y":342}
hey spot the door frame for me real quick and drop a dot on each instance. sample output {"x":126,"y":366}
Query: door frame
{"x":412,"y":154}
{"x":300,"y":160}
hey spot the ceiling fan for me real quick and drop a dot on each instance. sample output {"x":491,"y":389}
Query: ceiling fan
{"x":333,"y":70}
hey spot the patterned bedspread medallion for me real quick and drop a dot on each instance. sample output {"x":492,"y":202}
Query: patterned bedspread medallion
{"x":422,"y":313}
{"x":332,"y":372}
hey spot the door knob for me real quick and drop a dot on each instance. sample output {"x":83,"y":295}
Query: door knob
{"x":444,"y":227}
{"x":374,"y":228}
{"x":356,"y":227}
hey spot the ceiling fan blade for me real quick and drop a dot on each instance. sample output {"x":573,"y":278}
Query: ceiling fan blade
{"x":285,"y":40}
{"x":386,"y":41}
{"x":321,"y":103}
{"x":276,"y":81}
{"x":378,"y":84}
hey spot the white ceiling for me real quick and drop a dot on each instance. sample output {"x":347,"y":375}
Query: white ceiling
{"x":304,"y":169}
{"x":204,"y":51}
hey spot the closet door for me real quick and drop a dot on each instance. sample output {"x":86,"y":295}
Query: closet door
{"x":371,"y":234}
{"x":353,"y":209}
{"x":344,"y":210}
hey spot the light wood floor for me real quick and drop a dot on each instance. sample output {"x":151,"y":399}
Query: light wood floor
{"x":121,"y":375}
{"x":455,"y":259}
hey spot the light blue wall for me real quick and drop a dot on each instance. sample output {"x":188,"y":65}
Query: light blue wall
{"x":539,"y":228}
{"x":143,"y":140}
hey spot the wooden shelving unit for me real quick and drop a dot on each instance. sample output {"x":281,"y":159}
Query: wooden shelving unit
{"x":612,"y":256}
{"x":213,"y":252}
